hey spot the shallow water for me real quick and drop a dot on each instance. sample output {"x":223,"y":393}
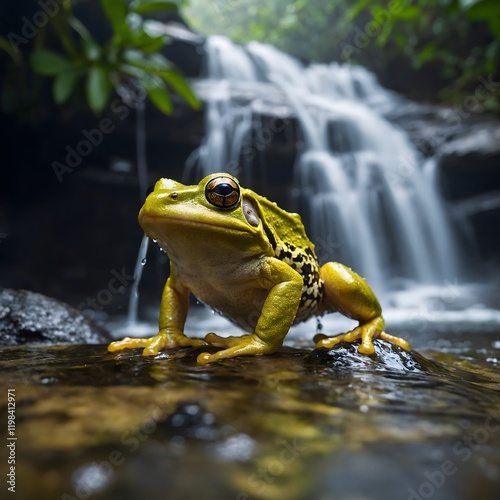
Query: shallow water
{"x":300,"y":424}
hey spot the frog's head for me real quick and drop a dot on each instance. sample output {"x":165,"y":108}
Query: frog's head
{"x":216,"y":204}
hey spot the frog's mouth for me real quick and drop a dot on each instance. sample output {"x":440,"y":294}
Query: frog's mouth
{"x":154,"y":222}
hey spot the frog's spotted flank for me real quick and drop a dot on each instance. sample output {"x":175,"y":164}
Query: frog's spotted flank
{"x":304,"y":261}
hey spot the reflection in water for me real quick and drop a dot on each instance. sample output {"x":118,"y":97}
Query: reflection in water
{"x":270,"y":427}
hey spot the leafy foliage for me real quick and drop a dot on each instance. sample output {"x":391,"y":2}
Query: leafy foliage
{"x":447,"y":45}
{"x":459,"y":38}
{"x":131,"y":53}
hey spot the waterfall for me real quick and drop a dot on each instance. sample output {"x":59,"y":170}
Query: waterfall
{"x":369,"y":199}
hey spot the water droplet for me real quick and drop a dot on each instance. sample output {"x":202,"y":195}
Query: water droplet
{"x":143,"y":261}
{"x":319,"y":326}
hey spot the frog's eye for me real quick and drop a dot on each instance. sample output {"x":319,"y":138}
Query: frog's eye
{"x":223,"y":192}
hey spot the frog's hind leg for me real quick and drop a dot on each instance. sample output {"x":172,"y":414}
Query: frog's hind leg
{"x":347,"y":292}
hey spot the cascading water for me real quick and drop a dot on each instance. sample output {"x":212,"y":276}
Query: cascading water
{"x":364,"y":187}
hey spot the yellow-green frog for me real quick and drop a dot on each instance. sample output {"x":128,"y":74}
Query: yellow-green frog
{"x":251,"y":261}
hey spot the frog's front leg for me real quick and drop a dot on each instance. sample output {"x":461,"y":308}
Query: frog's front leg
{"x":350,"y":294}
{"x":277,"y":315}
{"x":173,"y":312}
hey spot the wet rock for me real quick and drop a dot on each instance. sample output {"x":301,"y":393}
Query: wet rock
{"x":31,"y":318}
{"x":345,"y":356}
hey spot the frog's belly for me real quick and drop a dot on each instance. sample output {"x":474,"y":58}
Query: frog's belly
{"x":242,"y":309}
{"x":231,"y":290}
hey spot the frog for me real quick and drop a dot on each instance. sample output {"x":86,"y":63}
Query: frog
{"x":251,"y":261}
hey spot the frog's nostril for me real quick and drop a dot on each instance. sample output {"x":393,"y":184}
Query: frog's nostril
{"x":174,"y":195}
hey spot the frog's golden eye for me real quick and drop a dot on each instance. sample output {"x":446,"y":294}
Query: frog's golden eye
{"x":223,"y":192}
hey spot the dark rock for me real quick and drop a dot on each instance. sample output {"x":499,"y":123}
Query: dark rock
{"x":467,"y":149}
{"x":387,"y":357}
{"x":31,"y":318}
{"x":470,"y":161}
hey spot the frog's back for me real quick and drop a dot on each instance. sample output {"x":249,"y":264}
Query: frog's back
{"x":287,"y":236}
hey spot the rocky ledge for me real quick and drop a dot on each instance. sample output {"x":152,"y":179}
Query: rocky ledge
{"x":34,"y":319}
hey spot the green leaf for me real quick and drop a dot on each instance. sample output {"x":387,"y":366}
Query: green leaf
{"x":381,"y":40}
{"x":63,"y":86}
{"x":400,"y":40}
{"x":467,"y":4}
{"x":160,"y":97}
{"x":92,"y":50}
{"x":133,"y":71}
{"x":116,"y":11}
{"x":483,"y":10}
{"x":409,"y":12}
{"x":97,"y":88}
{"x":153,"y":63}
{"x":153,"y":44}
{"x":139,"y":39}
{"x":80,"y":28}
{"x":354,"y":11}
{"x":180,"y":85}
{"x":160,"y":66}
{"x":49,"y":63}
{"x":146,"y":6}
{"x":427,"y":53}
{"x":61,"y":26}
{"x":16,"y":55}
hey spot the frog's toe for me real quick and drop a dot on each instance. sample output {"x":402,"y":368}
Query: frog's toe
{"x":153,"y":345}
{"x":395,"y":340}
{"x":167,"y":341}
{"x":127,"y":343}
{"x":329,"y":342}
{"x":218,"y":341}
{"x":365,"y":333}
{"x":241,"y":346}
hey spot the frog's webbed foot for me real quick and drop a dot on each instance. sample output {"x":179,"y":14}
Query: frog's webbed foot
{"x":366,"y":332}
{"x":218,"y":341}
{"x":235,"y":346}
{"x":165,"y":339}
